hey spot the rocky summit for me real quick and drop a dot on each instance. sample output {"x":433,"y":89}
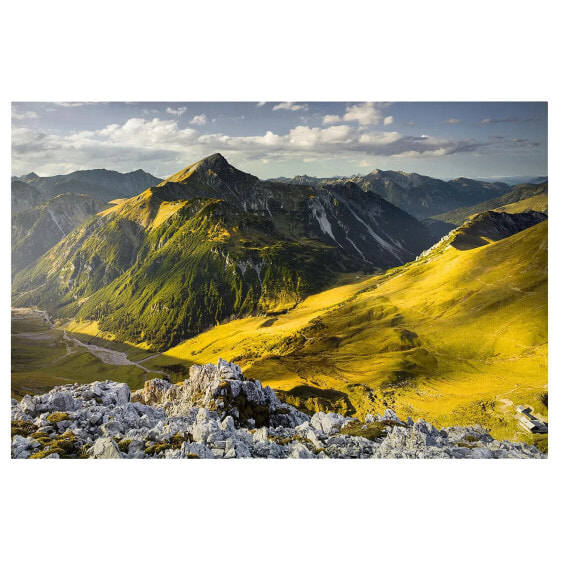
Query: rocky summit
{"x":218,"y":413}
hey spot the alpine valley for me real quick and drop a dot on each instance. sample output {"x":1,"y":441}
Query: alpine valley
{"x":359,"y":300}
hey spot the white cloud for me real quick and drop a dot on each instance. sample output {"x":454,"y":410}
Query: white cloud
{"x":21,"y":115}
{"x":79,"y":103}
{"x":260,"y":104}
{"x":290,"y":106}
{"x":340,"y":133}
{"x":368,"y":113}
{"x":451,"y":121}
{"x":198,"y":120}
{"x":388,"y":120}
{"x":489,"y":121}
{"x":162,"y":146}
{"x":142,"y":132}
{"x":330,"y":119}
{"x":378,"y":138}
{"x":179,"y":111}
{"x":70,"y":103}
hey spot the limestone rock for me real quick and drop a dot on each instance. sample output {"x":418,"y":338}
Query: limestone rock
{"x":219,"y":414}
{"x":105,"y":448}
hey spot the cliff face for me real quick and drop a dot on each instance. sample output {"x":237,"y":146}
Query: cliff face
{"x":218,"y":413}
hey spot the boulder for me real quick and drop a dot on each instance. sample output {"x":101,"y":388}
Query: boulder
{"x":111,"y":428}
{"x":327,"y":423}
{"x":298,"y":450}
{"x":58,"y":400}
{"x":28,"y":405}
{"x":105,"y":448}
{"x":389,"y":415}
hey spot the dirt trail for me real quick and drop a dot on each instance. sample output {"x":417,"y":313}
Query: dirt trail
{"x":108,"y":356}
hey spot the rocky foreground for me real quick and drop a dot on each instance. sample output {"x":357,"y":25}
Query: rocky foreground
{"x":218,"y":413}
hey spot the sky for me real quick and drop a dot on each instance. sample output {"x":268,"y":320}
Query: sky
{"x":271,"y":139}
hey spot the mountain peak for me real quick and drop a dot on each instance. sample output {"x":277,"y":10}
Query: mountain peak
{"x":29,"y":177}
{"x":215,"y":164}
{"x":216,"y":158}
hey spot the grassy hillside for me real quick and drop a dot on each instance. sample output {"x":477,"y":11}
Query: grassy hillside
{"x":519,"y":193}
{"x":538,"y":202}
{"x":456,"y":337}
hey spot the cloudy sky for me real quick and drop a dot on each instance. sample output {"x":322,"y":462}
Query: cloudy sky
{"x":283,"y":138}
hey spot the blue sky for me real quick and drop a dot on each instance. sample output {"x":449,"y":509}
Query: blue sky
{"x":283,"y":138}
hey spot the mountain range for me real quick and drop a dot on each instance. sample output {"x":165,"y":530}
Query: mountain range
{"x":101,"y":184}
{"x":45,"y":209}
{"x":334,"y":296}
{"x":420,"y":195}
{"x":212,"y":243}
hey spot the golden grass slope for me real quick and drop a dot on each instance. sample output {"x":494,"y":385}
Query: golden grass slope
{"x":538,"y":202}
{"x":458,"y":337}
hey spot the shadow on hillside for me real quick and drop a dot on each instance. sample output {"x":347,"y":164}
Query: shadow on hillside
{"x":310,"y":400}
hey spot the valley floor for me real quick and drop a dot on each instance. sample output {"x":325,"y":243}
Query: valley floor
{"x":44,"y":356}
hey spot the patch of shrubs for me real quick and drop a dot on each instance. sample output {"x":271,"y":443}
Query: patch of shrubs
{"x":65,"y":445}
{"x":370,"y":431}
{"x":55,"y":418}
{"x":22,"y":428}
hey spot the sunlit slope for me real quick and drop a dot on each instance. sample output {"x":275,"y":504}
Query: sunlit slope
{"x":459,"y":336}
{"x":538,"y":202}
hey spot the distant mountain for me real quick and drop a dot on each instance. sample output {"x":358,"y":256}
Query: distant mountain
{"x":308,"y":180}
{"x":518,"y":193}
{"x":101,"y":184}
{"x":211,"y":243}
{"x":24,"y":196}
{"x":515,"y":179}
{"x":36,"y":230}
{"x":541,"y":179}
{"x":29,"y":177}
{"x":419,"y":195}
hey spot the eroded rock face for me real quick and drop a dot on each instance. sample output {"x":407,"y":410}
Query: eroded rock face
{"x":223,"y":388}
{"x":218,"y":413}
